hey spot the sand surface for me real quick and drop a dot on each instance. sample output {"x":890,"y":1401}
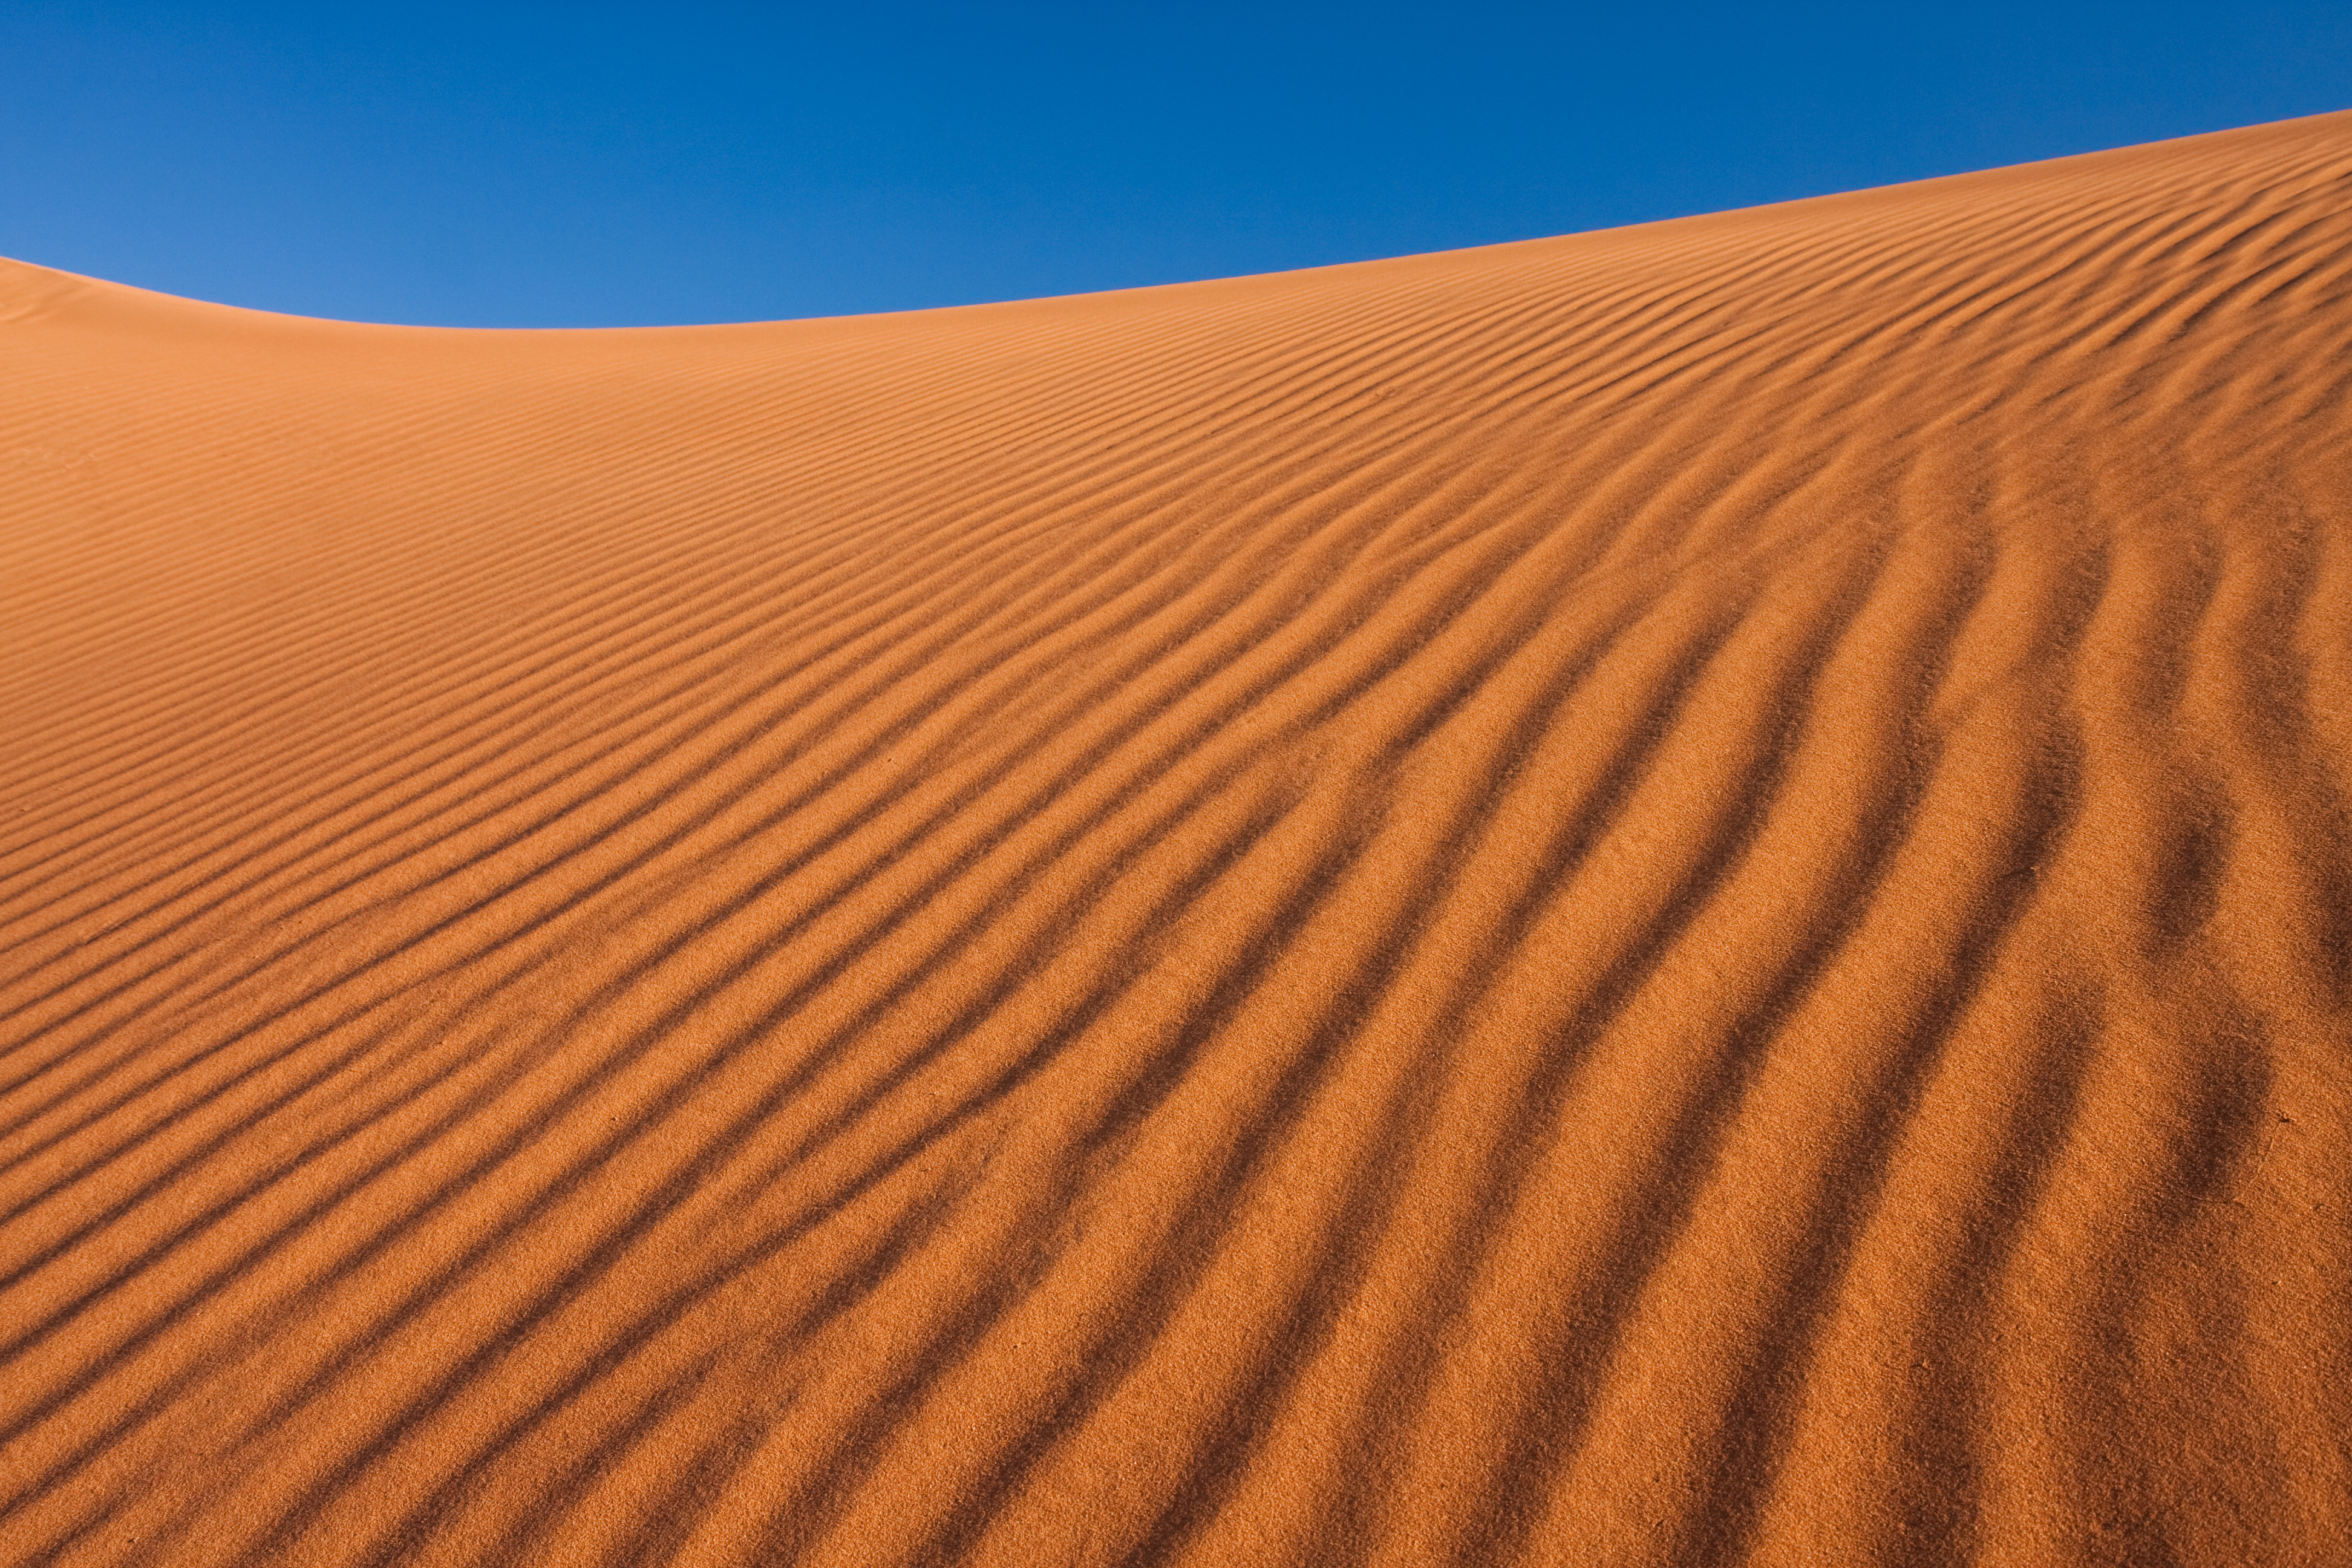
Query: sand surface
{"x":1681,"y":895}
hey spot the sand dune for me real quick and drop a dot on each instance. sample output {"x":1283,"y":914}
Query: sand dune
{"x":1681,"y":895}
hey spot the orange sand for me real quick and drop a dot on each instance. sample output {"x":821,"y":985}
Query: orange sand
{"x":1674,"y":896}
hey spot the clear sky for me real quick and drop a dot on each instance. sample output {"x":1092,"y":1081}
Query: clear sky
{"x":617,"y":165}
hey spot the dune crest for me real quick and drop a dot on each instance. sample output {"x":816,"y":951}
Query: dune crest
{"x":1681,"y":895}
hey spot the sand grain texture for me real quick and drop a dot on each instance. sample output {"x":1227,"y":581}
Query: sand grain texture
{"x":1681,"y":895}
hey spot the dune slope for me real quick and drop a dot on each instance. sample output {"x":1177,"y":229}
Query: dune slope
{"x":1681,"y":895}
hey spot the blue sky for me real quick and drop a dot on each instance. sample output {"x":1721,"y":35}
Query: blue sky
{"x":624,"y":165}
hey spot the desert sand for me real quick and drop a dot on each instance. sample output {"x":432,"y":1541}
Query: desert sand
{"x":1674,"y":896}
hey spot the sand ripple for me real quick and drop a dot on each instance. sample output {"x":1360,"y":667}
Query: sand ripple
{"x":1681,"y":895}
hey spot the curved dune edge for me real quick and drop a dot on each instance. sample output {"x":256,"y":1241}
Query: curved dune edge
{"x":1673,"y":896}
